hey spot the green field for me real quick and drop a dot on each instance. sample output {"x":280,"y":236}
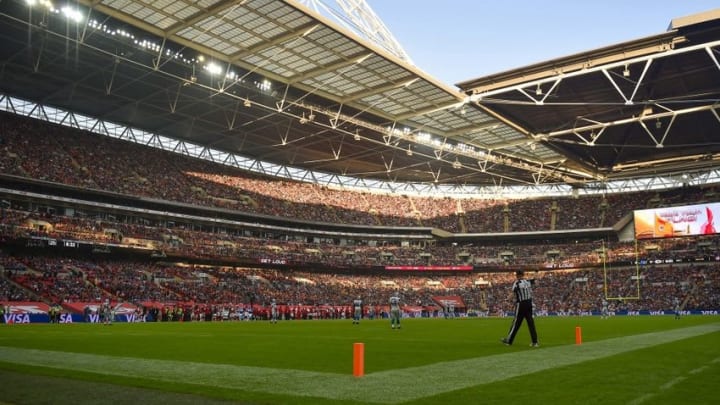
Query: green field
{"x":622,"y":360}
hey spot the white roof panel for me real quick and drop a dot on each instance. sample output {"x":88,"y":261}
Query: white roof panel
{"x":284,"y":41}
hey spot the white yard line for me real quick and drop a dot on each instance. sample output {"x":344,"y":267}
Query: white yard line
{"x":392,"y":386}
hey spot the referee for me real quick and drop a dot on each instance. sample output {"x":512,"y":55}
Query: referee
{"x":522,"y":289}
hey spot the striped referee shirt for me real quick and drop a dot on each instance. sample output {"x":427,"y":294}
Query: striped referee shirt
{"x":523,"y":290}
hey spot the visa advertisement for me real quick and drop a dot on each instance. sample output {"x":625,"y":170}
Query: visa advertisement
{"x":687,"y":220}
{"x":22,"y":312}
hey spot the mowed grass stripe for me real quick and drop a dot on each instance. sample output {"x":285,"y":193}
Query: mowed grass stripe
{"x":450,"y":376}
{"x":391,"y":386}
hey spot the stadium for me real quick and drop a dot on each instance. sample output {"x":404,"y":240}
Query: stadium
{"x":193,"y":194}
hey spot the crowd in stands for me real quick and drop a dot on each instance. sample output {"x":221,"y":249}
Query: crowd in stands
{"x":190,"y":243}
{"x":577,"y":291}
{"x":574,"y":290}
{"x":44,"y":151}
{"x":569,"y":271}
{"x":193,"y":244}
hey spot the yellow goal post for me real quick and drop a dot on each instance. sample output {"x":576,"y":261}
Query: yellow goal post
{"x":608,"y":267}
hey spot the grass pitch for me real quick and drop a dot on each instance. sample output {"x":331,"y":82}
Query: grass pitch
{"x":630,"y":360}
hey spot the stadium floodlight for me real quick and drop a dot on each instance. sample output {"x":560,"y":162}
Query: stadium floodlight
{"x":264,"y":85}
{"x":357,"y":135}
{"x":46,"y":3}
{"x":538,"y":90}
{"x":247,"y":102}
{"x":409,"y":151}
{"x":72,"y":14}
{"x":213,"y":68}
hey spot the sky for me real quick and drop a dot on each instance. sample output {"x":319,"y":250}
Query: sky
{"x":459,"y":40}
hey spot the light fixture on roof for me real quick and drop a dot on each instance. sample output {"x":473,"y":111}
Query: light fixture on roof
{"x":311,"y":116}
{"x":538,"y":90}
{"x":626,"y":71}
{"x":409,"y":151}
{"x":72,"y":14}
{"x":303,"y":120}
{"x":247,"y":102}
{"x":533,"y":146}
{"x":456,"y":164}
{"x":463,"y":111}
{"x":193,"y":79}
{"x":357,"y":135}
{"x":658,"y":124}
{"x":213,"y":68}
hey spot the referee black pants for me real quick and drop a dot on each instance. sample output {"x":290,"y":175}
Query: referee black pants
{"x":523,"y":311}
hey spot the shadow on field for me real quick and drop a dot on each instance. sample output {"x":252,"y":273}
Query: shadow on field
{"x":26,"y":389}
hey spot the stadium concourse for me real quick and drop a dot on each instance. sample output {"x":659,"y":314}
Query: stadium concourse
{"x":151,"y":162}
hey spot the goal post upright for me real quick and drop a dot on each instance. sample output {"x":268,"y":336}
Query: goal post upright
{"x":607,"y":294}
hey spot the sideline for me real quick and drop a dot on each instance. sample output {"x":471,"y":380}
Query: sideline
{"x":382,"y":387}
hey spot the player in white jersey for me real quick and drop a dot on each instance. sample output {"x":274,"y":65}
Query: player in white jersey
{"x":357,"y":310}
{"x":604,"y":312}
{"x":273,"y":311}
{"x":395,"y":314}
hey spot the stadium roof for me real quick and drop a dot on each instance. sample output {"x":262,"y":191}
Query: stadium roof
{"x":639,"y":108}
{"x":277,"y":82}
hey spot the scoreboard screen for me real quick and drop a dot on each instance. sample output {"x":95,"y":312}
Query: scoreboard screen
{"x":687,"y":220}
